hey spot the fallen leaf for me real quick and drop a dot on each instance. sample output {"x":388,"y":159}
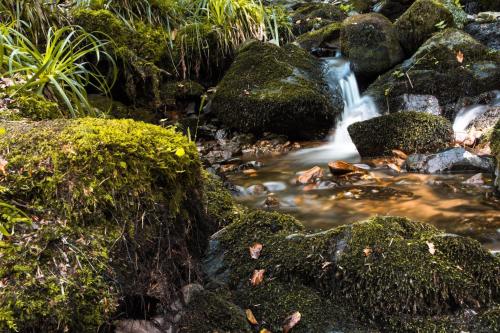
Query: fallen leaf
{"x":432,"y":249}
{"x":264,"y":331}
{"x":367,"y":251}
{"x":3,"y":163}
{"x":460,"y":57}
{"x":251,"y":317}
{"x":257,"y":277}
{"x":291,"y":321}
{"x":255,"y":250}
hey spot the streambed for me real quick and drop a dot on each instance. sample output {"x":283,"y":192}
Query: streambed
{"x":445,"y":200}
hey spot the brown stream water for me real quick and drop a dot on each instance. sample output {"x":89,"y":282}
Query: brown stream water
{"x":443,"y":200}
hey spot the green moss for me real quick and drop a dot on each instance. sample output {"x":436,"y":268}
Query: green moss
{"x":116,"y":209}
{"x":314,"y":16}
{"x":422,"y":19}
{"x":495,"y":148}
{"x":213,"y":312}
{"x":410,"y":132}
{"x":326,"y":36}
{"x":370,"y":42}
{"x":36,"y":107}
{"x":275,"y":89}
{"x":182,"y":90}
{"x":382,"y":270}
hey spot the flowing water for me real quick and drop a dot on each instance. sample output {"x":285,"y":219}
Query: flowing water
{"x":447,"y":200}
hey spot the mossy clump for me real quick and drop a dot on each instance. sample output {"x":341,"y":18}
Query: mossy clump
{"x":371,"y":43}
{"x":325,"y":37}
{"x":495,"y":149}
{"x":422,"y":19}
{"x":390,"y":271}
{"x":36,"y":107}
{"x":411,"y":132}
{"x":278,"y":90}
{"x":314,"y":16}
{"x":213,"y":312}
{"x":449,"y":65}
{"x":116,"y":214}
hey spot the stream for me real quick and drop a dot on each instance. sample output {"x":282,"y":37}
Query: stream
{"x":451,"y":201}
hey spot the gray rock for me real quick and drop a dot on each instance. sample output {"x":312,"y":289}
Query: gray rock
{"x":420,"y":103}
{"x":486,"y":33}
{"x":454,"y":159}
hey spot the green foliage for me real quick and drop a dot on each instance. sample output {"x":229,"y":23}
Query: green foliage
{"x":9,"y":217}
{"x":60,"y":71}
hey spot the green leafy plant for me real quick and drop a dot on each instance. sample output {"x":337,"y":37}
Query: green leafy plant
{"x":61,"y":71}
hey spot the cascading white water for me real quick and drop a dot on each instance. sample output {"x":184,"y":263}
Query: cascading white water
{"x":466,"y":115}
{"x":356,"y":108}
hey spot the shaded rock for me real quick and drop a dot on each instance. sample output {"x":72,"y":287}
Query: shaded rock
{"x":435,"y":70}
{"x":392,"y":9}
{"x":419,"y":103}
{"x":313,"y":16}
{"x":278,"y":90}
{"x":486,"y":33}
{"x":409,"y":132}
{"x":454,"y":159}
{"x":476,"y":6}
{"x":421,"y":20}
{"x":370,"y":42}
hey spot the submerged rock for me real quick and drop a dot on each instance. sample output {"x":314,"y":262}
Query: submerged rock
{"x":409,"y":132}
{"x":371,"y":43}
{"x":455,"y":159}
{"x":278,"y":90}
{"x":449,"y":65}
{"x":390,"y":271}
{"x":118,"y":216}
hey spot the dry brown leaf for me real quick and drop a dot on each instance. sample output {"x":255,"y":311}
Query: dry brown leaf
{"x":460,"y":57}
{"x":432,"y":248}
{"x":367,"y":251}
{"x":251,"y":317}
{"x":255,"y":250}
{"x":291,"y":321}
{"x":264,"y":331}
{"x":257,"y":277}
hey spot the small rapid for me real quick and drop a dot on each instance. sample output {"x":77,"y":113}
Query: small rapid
{"x":356,"y":108}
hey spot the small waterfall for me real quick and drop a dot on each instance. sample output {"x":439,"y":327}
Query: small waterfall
{"x":356,"y":108}
{"x":466,"y":115}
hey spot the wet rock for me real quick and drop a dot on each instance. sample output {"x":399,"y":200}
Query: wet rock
{"x":371,"y":43}
{"x":435,"y":70}
{"x":477,"y":179}
{"x":326,"y":38}
{"x":422,"y":19}
{"x":486,"y":33}
{"x":277,"y":90}
{"x":419,"y":103}
{"x":314,"y":16}
{"x":454,"y":159}
{"x":409,"y":132}
{"x":272,"y":201}
{"x":257,"y":189}
{"x":310,"y":176}
{"x":338,"y":168}
{"x":275,"y":186}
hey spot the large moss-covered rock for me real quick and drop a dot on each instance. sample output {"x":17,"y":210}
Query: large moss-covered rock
{"x":277,"y":90}
{"x":450,"y":65}
{"x":117,"y":218}
{"x":313,"y":16}
{"x":409,"y":131}
{"x":327,"y":37}
{"x":371,"y":44}
{"x":394,"y":272}
{"x":424,"y":18}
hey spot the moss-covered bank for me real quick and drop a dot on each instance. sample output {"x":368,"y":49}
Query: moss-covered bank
{"x":115,"y":205}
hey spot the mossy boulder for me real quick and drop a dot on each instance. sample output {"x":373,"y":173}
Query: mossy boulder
{"x":327,"y":37}
{"x":141,"y":52}
{"x":387,"y":270}
{"x":278,"y":90}
{"x":450,"y":65}
{"x":408,"y":131}
{"x":424,"y":18}
{"x":392,"y":9}
{"x":313,"y":16}
{"x":371,"y":44}
{"x":117,"y":217}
